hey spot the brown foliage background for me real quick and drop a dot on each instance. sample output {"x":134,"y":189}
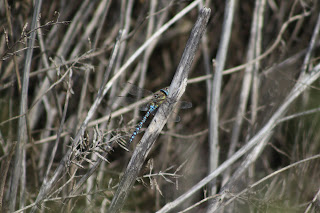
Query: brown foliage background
{"x":80,"y":35}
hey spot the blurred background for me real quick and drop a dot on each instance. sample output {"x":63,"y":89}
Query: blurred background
{"x":73,"y":46}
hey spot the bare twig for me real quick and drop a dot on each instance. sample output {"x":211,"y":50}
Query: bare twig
{"x":22,"y":130}
{"x":4,"y":171}
{"x":216,"y":88}
{"x":8,"y":15}
{"x":53,"y":153}
{"x":247,"y":79}
{"x":273,"y":46}
{"x":315,"y":202}
{"x":311,"y":46}
{"x":94,"y":23}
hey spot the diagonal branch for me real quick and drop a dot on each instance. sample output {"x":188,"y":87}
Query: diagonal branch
{"x":176,"y":89}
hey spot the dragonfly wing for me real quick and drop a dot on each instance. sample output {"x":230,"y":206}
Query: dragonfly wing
{"x":144,"y":107}
{"x":182,"y":104}
{"x":135,"y":90}
{"x":185,"y":104}
{"x":125,"y":101}
{"x":176,"y":118}
{"x":173,"y":117}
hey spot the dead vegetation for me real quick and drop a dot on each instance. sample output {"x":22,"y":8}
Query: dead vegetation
{"x":250,"y":142}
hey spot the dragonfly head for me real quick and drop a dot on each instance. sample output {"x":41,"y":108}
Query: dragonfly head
{"x":165,"y":91}
{"x":160,"y":96}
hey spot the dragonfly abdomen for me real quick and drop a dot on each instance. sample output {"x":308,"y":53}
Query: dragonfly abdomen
{"x":137,"y":130}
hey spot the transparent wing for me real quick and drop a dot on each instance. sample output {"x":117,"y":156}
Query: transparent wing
{"x":144,"y":107}
{"x":173,"y":117}
{"x":185,"y":104}
{"x":181,"y":104}
{"x":135,"y":90}
{"x":125,"y":101}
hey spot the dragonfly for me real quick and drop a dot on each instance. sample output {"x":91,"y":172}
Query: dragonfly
{"x":158,"y":98}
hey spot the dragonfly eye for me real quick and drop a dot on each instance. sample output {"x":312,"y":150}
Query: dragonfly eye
{"x":165,"y":91}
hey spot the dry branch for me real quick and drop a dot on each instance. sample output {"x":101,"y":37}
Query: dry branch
{"x":176,"y":89}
